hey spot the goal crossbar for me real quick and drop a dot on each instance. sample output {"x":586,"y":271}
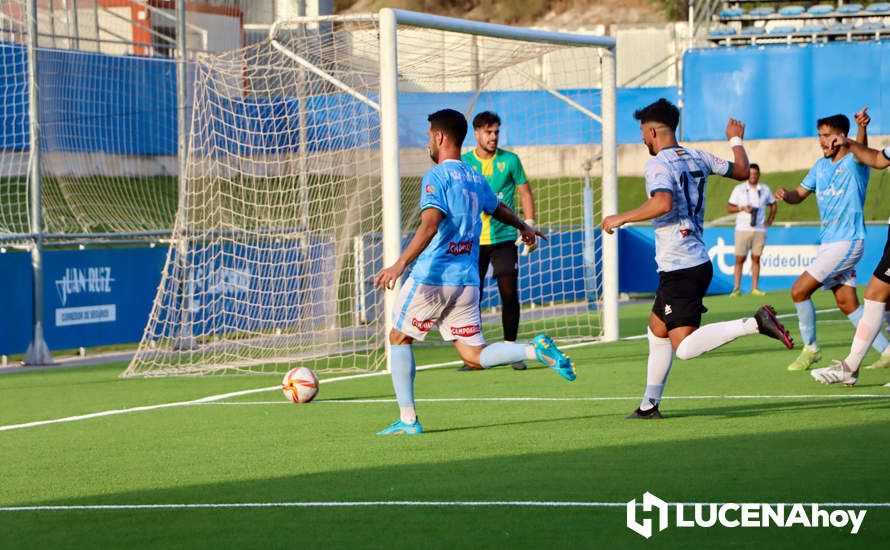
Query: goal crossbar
{"x":452,"y":24}
{"x":493,"y":30}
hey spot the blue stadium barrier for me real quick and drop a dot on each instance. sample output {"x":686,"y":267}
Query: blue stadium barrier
{"x":130,"y":106}
{"x":91,"y":297}
{"x":16,"y":289}
{"x":103,"y":296}
{"x":780,"y":91}
{"x":789,"y":250}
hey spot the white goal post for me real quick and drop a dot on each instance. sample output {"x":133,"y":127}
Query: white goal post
{"x":303,"y":178}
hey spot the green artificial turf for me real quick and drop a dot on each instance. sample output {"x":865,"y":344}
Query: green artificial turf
{"x":805,"y":443}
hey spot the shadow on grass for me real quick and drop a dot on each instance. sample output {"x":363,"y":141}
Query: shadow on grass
{"x":787,"y":466}
{"x":680,"y":459}
{"x":680,"y":408}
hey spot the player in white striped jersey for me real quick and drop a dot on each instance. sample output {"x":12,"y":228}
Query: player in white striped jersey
{"x":676,"y":181}
{"x":877,"y":293}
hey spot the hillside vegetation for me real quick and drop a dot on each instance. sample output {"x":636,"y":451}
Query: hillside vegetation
{"x":550,"y":13}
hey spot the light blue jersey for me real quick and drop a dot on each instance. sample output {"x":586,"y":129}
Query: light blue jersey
{"x":840,"y":193}
{"x":684,"y":174}
{"x":461,"y":193}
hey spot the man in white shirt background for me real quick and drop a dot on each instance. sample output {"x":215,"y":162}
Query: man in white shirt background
{"x":756,"y":209}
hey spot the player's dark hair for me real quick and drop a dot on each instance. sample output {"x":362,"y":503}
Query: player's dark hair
{"x":838,"y":122}
{"x":662,"y":111}
{"x":485,"y":118}
{"x":451,"y":123}
{"x":754,"y":166}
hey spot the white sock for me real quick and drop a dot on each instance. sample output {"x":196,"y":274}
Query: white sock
{"x":661,"y":357}
{"x":866,"y":330}
{"x":714,"y":335}
{"x":408,"y":415}
{"x":530,"y":352}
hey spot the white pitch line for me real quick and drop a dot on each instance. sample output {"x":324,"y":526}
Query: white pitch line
{"x":559,"y":399}
{"x":201,"y":401}
{"x":399,"y":503}
{"x":213,"y":398}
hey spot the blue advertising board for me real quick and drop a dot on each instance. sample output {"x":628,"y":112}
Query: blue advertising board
{"x":788,"y":252}
{"x":98,"y":297}
{"x":16,"y":288}
{"x":91,"y":297}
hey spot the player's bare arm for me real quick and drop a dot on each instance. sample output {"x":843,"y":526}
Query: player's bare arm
{"x":429,"y":225}
{"x":732,"y":208}
{"x":505,"y":214}
{"x":792,"y":196}
{"x":660,"y":203}
{"x":864,"y":154}
{"x":862,"y":119}
{"x":527,"y":199}
{"x":740,"y":168}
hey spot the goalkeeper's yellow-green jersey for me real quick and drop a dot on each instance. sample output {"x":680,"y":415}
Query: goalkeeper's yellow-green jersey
{"x":504,"y":174}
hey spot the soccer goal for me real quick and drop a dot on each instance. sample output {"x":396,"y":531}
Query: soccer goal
{"x":303,"y":180}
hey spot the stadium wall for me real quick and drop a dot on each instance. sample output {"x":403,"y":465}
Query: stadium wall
{"x":97,"y":297}
{"x":780,"y":91}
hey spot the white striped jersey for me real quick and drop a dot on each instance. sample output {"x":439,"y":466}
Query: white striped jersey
{"x":678,"y":233}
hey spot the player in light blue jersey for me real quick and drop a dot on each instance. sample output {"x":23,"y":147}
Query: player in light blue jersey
{"x":839,"y":182}
{"x":443,"y":289}
{"x":877,"y":293}
{"x":676,"y":179}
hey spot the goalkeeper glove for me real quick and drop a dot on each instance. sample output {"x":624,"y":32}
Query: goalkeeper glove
{"x":526,"y":249}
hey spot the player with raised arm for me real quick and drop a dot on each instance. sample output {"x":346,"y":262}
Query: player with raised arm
{"x":839,"y":182}
{"x":443,"y":288}
{"x":675,"y":182}
{"x":877,"y":293}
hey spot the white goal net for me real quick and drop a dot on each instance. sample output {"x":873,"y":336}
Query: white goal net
{"x":281,"y":229}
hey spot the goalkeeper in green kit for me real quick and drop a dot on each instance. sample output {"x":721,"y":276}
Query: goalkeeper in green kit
{"x":498,"y":243}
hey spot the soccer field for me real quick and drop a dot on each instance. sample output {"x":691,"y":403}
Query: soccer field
{"x":253,"y":470}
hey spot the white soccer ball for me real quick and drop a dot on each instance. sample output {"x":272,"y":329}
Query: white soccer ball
{"x":300,"y":385}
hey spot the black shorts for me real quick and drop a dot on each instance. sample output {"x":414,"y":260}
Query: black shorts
{"x":882,"y":272}
{"x":678,"y":300}
{"x":503,"y":257}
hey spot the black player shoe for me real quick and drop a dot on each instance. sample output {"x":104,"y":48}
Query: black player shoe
{"x":768,"y":325}
{"x":466,"y":368}
{"x":651,"y":414}
{"x":519,"y":365}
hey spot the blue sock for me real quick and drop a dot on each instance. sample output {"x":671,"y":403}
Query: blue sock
{"x":403,"y":369}
{"x":880,"y":342}
{"x":502,"y":353}
{"x":806,"y":320}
